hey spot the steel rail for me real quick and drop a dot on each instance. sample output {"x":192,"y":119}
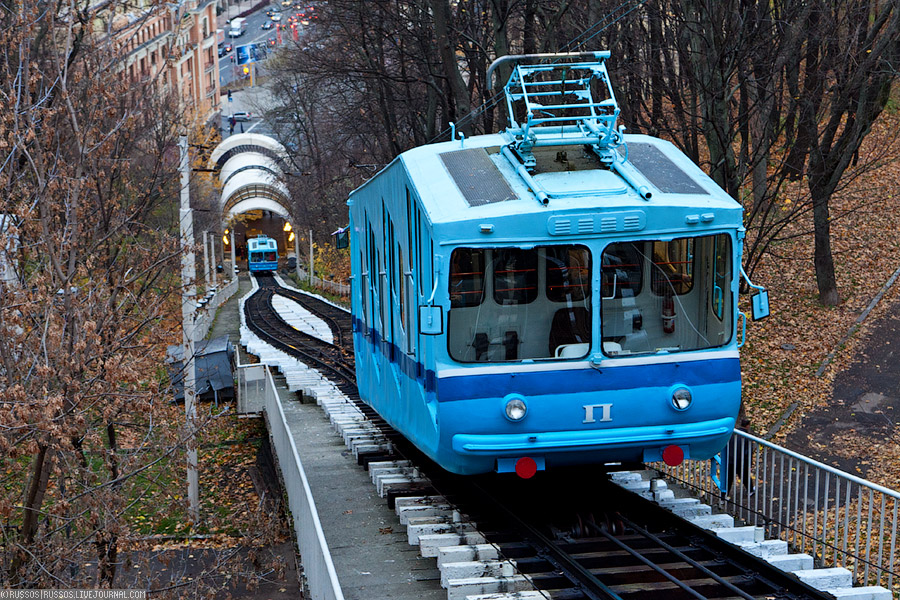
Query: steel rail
{"x":337,"y":329}
{"x":311,"y":350}
{"x":587,"y":582}
{"x":669,"y":548}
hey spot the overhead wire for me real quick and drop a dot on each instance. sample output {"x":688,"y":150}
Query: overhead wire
{"x":491,"y":102}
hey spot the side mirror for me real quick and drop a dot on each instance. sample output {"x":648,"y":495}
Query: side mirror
{"x":431,"y":320}
{"x":759,"y":305}
{"x":341,"y":239}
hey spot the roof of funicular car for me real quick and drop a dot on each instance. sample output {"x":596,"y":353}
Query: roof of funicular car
{"x":576,"y":188}
{"x":260,"y":243}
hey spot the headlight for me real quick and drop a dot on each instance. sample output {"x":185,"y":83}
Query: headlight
{"x":681,"y":398}
{"x":516,"y":409}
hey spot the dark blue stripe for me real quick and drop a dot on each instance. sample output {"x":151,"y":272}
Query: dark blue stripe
{"x":690,"y":373}
{"x":392,"y":353}
{"x":468,"y":387}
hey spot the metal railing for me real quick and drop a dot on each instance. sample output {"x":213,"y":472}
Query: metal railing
{"x":256,"y":387}
{"x":206,"y":312}
{"x":334,"y":287}
{"x":837,"y":518}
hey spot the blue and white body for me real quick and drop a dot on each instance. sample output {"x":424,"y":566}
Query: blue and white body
{"x":262,"y":254}
{"x":558,"y":293}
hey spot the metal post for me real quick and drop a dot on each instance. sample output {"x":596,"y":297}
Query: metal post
{"x":206,"y":260}
{"x":189,"y":290}
{"x":233,"y":256}
{"x":212,"y":259}
{"x":297,"y":254}
{"x":311,"y":259}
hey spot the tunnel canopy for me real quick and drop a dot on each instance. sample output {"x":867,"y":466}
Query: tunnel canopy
{"x":250,"y":167}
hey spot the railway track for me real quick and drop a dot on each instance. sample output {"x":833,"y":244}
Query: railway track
{"x":573,"y":534}
{"x":335,"y":360}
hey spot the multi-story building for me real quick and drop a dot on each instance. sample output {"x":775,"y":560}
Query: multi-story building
{"x":175,"y":45}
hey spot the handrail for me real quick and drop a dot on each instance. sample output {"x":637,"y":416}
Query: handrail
{"x":840,"y":519}
{"x":550,"y":55}
{"x":819,"y":465}
{"x":318,"y":567}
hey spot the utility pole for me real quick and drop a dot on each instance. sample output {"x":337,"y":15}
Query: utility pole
{"x":206,"y":260}
{"x":311,"y":259}
{"x":297,"y":255}
{"x":212,"y":259}
{"x":233,"y":253}
{"x":189,"y":290}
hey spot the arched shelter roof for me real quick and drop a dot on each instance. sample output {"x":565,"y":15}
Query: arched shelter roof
{"x":250,"y":168}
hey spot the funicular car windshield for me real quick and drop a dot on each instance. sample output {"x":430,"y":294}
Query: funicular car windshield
{"x":514,"y":304}
{"x":666,"y":296}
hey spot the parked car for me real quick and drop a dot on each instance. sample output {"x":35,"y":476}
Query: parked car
{"x":267,"y":25}
{"x":241,"y":115}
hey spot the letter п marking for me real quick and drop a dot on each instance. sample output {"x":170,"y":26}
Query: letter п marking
{"x":589,"y":413}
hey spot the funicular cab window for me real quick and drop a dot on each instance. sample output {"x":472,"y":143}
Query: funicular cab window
{"x":666,"y":296}
{"x":513,"y":304}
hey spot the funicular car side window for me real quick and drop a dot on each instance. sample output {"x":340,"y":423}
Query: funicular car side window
{"x":568,"y":273}
{"x":466,"y":277}
{"x":515,"y":276}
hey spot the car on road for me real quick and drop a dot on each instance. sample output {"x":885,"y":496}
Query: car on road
{"x":276,"y":17}
{"x":228,"y":47}
{"x":241,"y":115}
{"x":267,"y":25}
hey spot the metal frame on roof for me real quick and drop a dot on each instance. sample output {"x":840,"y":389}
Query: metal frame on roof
{"x":569,"y":101}
{"x":560,"y":105}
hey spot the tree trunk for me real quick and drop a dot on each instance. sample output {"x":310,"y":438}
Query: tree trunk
{"x":462,"y":108}
{"x":825,"y":279}
{"x":529,"y":37}
{"x":41,"y":465}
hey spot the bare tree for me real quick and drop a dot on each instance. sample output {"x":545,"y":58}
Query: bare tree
{"x":852,"y":52}
{"x":85,"y":171}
